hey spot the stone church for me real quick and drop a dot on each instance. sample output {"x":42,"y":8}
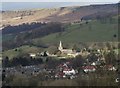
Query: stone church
{"x":68,"y":52}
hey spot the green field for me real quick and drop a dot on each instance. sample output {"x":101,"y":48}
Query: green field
{"x":21,"y":50}
{"x":94,"y":31}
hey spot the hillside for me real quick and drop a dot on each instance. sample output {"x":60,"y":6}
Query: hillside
{"x":103,"y":30}
{"x":26,"y":49}
{"x":94,"y":31}
{"x":63,"y":14}
{"x":79,"y":35}
{"x":84,"y":26}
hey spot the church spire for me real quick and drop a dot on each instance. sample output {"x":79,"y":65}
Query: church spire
{"x":60,"y":46}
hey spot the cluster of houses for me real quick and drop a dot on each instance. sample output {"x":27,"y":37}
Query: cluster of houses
{"x":65,"y":70}
{"x":65,"y":53}
{"x":27,"y":70}
{"x":62,"y":71}
{"x":70,"y":53}
{"x":93,"y":68}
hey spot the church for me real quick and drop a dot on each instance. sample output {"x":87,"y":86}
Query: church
{"x":68,"y":52}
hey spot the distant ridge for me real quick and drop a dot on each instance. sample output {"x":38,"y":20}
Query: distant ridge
{"x":62,"y":14}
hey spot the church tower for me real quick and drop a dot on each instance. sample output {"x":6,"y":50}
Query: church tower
{"x":60,"y":46}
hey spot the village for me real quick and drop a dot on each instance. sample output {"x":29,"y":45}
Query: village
{"x":68,"y":68}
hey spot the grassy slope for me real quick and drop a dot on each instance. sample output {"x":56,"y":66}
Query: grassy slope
{"x":21,"y":50}
{"x":82,"y":33}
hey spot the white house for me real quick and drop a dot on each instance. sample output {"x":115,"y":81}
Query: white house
{"x":89,"y":69}
{"x":93,"y":64}
{"x":32,"y":55}
{"x":111,"y":68}
{"x":69,"y":72}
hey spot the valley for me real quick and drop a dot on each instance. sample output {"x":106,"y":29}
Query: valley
{"x":65,"y":46}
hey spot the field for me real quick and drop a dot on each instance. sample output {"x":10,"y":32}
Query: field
{"x":21,"y":50}
{"x":94,"y":31}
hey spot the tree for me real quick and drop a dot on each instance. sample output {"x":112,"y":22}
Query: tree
{"x":5,"y":62}
{"x":108,"y":45}
{"x":52,"y":49}
{"x":114,"y":35}
{"x":75,"y":47}
{"x":110,"y":58}
{"x":78,"y":62}
{"x":92,"y":57}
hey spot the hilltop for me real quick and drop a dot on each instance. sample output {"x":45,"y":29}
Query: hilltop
{"x":62,"y":14}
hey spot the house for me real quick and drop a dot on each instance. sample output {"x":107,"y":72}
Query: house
{"x":60,"y":75}
{"x":45,"y":53}
{"x":32,"y":55}
{"x":73,"y":54}
{"x":110,"y":67}
{"x":93,"y":64}
{"x":68,"y":71}
{"x":64,"y":70}
{"x":87,"y":69}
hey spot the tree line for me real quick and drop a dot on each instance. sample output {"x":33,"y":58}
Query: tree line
{"x":29,"y":32}
{"x":21,"y":28}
